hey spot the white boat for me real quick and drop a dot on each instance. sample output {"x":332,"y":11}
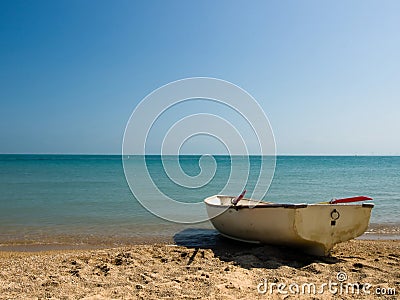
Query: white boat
{"x":313,"y":228}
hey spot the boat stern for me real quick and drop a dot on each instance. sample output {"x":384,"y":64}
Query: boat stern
{"x":327,"y":225}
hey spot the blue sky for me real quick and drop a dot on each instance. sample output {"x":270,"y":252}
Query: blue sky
{"x":327,"y":73}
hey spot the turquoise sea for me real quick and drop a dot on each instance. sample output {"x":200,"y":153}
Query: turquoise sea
{"x":85,"y":199}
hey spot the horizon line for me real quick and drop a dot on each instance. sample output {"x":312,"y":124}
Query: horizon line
{"x":200,"y":154}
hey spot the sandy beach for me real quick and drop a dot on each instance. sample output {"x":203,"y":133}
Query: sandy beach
{"x":227,"y":271}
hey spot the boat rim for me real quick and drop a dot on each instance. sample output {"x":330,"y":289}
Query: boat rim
{"x":263,"y":204}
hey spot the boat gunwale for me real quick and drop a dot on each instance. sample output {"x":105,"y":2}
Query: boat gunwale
{"x":272,"y":205}
{"x":261,"y":204}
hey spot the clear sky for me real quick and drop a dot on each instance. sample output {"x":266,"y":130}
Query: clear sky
{"x":327,"y":73}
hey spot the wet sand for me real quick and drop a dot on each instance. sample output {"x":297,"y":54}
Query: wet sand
{"x":213,"y":269}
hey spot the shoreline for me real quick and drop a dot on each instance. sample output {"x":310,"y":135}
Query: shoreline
{"x":56,"y":247}
{"x":200,"y":238}
{"x":190,"y":237}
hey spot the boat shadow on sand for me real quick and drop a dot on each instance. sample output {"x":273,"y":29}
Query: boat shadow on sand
{"x":244,"y":254}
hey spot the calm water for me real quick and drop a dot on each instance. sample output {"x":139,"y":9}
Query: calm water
{"x":85,"y":199}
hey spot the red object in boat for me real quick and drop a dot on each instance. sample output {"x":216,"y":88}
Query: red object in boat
{"x":348,"y":200}
{"x":238,"y":198}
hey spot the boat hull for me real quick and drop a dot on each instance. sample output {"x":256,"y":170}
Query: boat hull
{"x":315,"y":228}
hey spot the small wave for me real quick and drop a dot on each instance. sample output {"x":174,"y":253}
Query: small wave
{"x":390,"y":228}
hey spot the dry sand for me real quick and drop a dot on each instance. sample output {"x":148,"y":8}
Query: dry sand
{"x":230,"y":271}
